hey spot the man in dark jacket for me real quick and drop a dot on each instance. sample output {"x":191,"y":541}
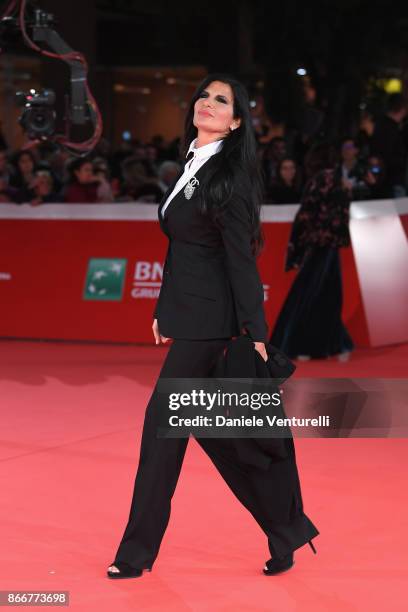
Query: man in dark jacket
{"x":388,"y":143}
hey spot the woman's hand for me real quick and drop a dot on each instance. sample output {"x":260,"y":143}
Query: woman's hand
{"x":260,"y":347}
{"x":157,"y":335}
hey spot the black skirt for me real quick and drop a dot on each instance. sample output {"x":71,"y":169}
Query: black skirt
{"x":309,"y":322}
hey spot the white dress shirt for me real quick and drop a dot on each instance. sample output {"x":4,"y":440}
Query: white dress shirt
{"x":200,"y":156}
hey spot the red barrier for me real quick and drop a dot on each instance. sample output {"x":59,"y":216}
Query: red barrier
{"x":94,"y":272}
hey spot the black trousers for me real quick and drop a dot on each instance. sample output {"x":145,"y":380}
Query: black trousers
{"x":160,"y":463}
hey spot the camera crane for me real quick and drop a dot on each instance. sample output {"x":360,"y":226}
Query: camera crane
{"x":38,"y":118}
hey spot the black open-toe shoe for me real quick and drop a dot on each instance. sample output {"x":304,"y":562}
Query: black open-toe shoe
{"x":278,"y":565}
{"x":126,"y":571}
{"x":282,"y":564}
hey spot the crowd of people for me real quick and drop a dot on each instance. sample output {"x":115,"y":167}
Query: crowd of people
{"x":45,"y":173}
{"x":371,"y":164}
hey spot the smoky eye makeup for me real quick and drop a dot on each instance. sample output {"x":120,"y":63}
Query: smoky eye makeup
{"x":219,"y":98}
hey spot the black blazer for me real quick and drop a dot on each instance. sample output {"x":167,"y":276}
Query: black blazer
{"x":211,"y":286}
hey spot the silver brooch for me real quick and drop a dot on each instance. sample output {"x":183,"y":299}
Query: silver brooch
{"x":190,"y":187}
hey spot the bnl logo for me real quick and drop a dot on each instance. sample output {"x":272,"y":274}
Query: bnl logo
{"x":147,"y":279}
{"x":105,"y":279}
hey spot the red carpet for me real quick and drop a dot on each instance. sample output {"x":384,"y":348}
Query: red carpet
{"x":71,"y":423}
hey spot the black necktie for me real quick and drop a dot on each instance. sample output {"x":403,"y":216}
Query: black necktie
{"x":189,"y":157}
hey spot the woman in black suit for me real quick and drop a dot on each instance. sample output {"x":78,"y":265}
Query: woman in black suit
{"x":211,"y":292}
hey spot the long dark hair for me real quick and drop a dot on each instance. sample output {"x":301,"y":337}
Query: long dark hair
{"x":279,"y":180}
{"x":17,"y":179}
{"x":237,"y":172}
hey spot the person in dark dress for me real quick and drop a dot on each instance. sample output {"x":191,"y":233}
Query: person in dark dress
{"x":309,"y":324}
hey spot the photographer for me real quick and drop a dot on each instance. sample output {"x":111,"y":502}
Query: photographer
{"x":375,"y":178}
{"x":353,"y":170}
{"x":364,"y":179}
